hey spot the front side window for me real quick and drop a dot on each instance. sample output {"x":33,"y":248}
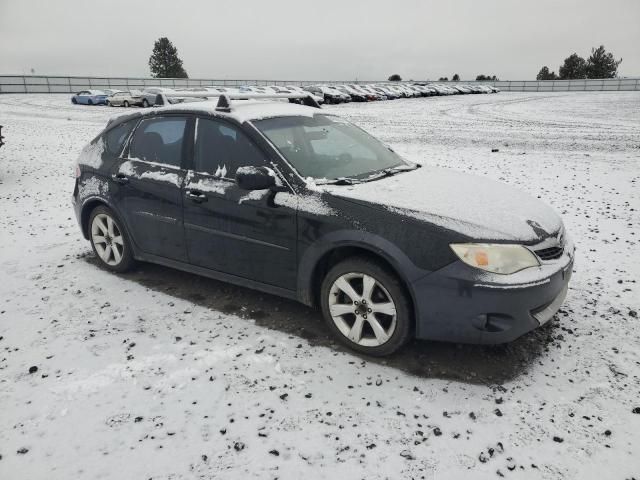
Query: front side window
{"x":221,"y":148}
{"x":159,"y":140}
{"x":328,"y":147}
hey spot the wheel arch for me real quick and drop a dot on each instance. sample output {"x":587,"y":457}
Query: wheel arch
{"x":89,"y":206}
{"x":321,"y":256}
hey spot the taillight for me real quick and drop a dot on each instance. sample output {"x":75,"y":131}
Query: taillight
{"x":78,"y":172}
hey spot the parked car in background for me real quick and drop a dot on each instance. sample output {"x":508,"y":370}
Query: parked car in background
{"x":126,"y":99}
{"x":328,"y":94}
{"x":221,"y":90}
{"x":377,"y":95}
{"x":149,"y":95}
{"x":111,"y":91}
{"x":386,"y":91}
{"x":280,"y":89}
{"x":90,"y":97}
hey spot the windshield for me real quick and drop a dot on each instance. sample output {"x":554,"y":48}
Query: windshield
{"x":326,"y":147}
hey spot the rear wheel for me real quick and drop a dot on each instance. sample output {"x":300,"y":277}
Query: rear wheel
{"x":366,"y":307}
{"x":74,"y":101}
{"x":89,"y":102}
{"x":145,"y":103}
{"x":109,"y":240}
{"x":126,"y":104}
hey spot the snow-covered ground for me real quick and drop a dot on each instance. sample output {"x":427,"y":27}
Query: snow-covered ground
{"x":165,"y":375}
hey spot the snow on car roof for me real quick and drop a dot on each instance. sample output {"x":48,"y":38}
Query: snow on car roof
{"x":245,"y":110}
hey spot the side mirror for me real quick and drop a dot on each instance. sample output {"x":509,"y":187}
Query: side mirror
{"x":256,"y":178}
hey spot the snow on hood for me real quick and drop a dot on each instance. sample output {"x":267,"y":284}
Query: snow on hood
{"x":475,"y":206}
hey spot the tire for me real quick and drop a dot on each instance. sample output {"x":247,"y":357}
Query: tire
{"x":89,"y":102}
{"x":145,"y":103}
{"x":125,"y":104}
{"x":74,"y":101}
{"x":108,"y":103}
{"x":104,"y":230}
{"x":393,"y":325}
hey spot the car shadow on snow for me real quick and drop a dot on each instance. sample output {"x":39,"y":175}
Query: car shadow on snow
{"x":476,"y":364}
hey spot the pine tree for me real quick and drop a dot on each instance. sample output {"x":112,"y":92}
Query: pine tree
{"x":164,"y":61}
{"x":456,"y":78}
{"x":574,"y":66}
{"x":602,"y":64}
{"x":395,"y":78}
{"x":545,"y":74}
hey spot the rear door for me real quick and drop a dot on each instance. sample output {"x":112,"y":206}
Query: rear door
{"x":149,"y":181}
{"x":228,"y":229}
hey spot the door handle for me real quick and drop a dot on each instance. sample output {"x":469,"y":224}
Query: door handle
{"x":120,"y":178}
{"x":196,"y":196}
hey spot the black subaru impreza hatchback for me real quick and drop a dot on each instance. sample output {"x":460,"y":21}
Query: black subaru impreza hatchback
{"x":296,"y":202}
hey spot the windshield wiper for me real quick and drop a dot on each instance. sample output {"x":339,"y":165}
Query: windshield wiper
{"x":339,"y":181}
{"x":387,"y":172}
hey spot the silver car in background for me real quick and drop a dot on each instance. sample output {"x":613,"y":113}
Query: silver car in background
{"x":126,"y":99}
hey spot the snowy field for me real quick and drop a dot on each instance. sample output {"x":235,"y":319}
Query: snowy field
{"x":164,"y":375}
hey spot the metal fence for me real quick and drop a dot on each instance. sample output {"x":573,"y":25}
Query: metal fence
{"x":605,"y":84}
{"x":46,"y":84}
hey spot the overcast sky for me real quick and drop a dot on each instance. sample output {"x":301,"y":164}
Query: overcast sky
{"x":323,"y":39}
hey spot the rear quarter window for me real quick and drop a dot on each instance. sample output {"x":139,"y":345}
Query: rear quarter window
{"x":116,"y":137}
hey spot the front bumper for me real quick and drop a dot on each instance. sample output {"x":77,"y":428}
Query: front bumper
{"x":458,"y":303}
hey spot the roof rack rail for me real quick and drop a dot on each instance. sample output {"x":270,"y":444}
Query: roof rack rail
{"x":224,"y":99}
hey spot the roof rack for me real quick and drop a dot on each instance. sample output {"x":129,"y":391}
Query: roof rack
{"x":224,"y":99}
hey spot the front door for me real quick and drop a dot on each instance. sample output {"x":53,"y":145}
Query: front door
{"x":149,"y":190}
{"x":231,"y":230}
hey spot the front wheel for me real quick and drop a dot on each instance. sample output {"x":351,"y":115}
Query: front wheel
{"x":366,"y":307}
{"x":145,"y":103}
{"x":126,"y":104}
{"x":89,"y":102}
{"x":109,"y":240}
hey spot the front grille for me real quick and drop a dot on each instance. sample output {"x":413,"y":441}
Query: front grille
{"x":550,"y":253}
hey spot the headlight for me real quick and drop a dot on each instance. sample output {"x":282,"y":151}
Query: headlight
{"x":496,"y":258}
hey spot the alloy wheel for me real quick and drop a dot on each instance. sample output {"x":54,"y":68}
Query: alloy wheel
{"x":362,"y":309}
{"x":107,"y":239}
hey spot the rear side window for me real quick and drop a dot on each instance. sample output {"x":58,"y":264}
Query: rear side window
{"x":116,"y":137}
{"x":159,"y":140}
{"x":221,"y":148}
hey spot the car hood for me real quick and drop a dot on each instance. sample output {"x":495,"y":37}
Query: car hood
{"x":477,"y":207}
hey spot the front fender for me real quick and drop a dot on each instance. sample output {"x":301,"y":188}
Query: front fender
{"x":313,"y":254}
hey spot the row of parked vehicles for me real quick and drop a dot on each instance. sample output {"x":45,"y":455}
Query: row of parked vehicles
{"x":323,"y":93}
